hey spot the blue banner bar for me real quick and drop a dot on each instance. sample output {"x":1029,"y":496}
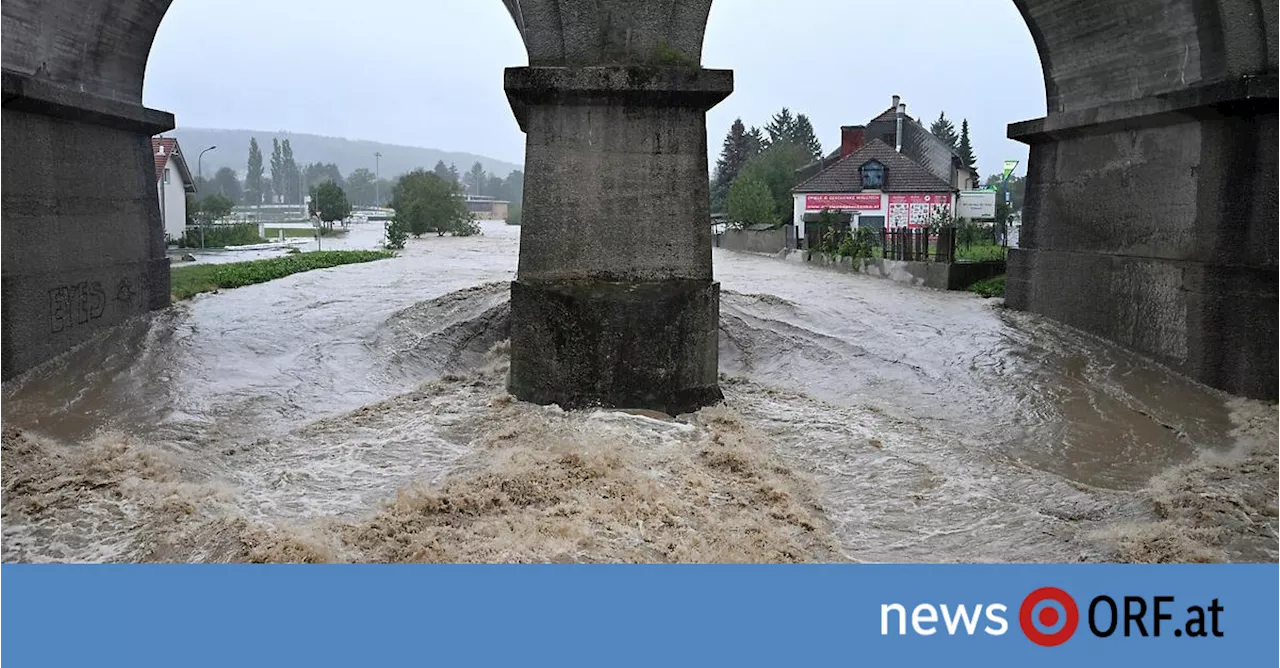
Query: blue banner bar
{"x":999,"y":615}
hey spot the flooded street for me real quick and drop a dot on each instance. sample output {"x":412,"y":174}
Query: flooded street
{"x":358,"y":413}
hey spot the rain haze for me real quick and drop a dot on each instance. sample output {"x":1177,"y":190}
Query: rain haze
{"x":307,"y":351}
{"x":430,"y":74}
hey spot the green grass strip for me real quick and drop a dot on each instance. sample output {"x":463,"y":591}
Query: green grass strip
{"x":192,"y":280}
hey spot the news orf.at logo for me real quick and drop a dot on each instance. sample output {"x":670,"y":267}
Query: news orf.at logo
{"x":1049,"y":617}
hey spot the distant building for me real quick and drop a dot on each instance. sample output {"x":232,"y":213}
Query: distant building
{"x":890,"y":173}
{"x":488,"y":208}
{"x":173,"y":180}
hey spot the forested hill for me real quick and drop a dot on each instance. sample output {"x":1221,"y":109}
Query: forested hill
{"x":347,"y":154}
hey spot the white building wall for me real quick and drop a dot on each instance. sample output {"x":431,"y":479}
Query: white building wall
{"x":173,"y":203}
{"x":882,"y":210}
{"x":797,"y":214}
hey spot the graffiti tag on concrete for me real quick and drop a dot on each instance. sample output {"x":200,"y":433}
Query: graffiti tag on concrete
{"x":74,"y":305}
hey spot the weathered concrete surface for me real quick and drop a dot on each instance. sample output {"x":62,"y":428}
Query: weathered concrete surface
{"x":1151,"y":196}
{"x":83,"y":244}
{"x":611,"y":32}
{"x":627,"y":344}
{"x":755,"y":241}
{"x":614,"y":303}
{"x":1154,"y":225}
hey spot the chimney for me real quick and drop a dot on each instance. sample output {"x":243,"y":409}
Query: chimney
{"x":902,"y":111}
{"x":896,"y":101}
{"x":851,"y":138}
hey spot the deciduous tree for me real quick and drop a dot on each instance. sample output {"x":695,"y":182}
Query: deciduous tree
{"x":776,"y":168}
{"x":214,"y":208}
{"x":427,"y":203}
{"x":329,"y":201}
{"x":293,"y":184}
{"x":226,"y":184}
{"x":475,"y":179}
{"x":360,"y":187}
{"x":279,"y":177}
{"x":253,"y":174}
{"x":750,"y":202}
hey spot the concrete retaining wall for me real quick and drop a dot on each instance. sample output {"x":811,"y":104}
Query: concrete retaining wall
{"x":754,"y":241}
{"x":936,"y":275}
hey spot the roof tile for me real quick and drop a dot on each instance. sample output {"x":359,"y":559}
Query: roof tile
{"x":901,"y":173}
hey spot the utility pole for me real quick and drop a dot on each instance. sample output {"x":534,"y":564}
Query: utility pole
{"x":377,"y":176}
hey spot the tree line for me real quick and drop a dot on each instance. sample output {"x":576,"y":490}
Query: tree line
{"x":960,"y":144}
{"x":756,"y":169}
{"x":288,"y":181}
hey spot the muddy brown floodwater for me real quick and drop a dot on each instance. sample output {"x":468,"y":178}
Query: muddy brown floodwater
{"x":358,"y":414}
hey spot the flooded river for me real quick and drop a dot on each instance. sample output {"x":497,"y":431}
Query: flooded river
{"x":358,"y":414}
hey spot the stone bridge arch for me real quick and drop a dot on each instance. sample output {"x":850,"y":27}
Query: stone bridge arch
{"x":1150,"y":216}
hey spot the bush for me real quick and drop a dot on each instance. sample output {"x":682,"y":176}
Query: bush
{"x":219,"y":236}
{"x":397,"y":233}
{"x":513,"y":215}
{"x":465,"y":227}
{"x":989,"y":287}
{"x":427,"y":203}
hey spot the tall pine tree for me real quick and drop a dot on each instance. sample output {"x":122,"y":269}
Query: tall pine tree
{"x":441,"y":170}
{"x":944,"y":130}
{"x":253,"y":174}
{"x":755,"y":141}
{"x":736,"y":150}
{"x":804,"y":136}
{"x":782,"y":127}
{"x":965,"y":149}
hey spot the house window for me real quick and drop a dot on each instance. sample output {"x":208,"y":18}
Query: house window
{"x":872,"y":175}
{"x":166,"y":175}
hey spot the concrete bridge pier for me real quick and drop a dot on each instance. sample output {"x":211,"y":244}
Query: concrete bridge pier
{"x":1152,"y":223}
{"x":83,"y":240}
{"x":614,"y":303}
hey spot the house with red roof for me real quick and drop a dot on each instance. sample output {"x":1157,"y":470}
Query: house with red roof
{"x":887,"y":174}
{"x":173,"y":181}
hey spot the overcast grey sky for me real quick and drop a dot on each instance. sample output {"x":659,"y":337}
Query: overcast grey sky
{"x":429,"y":72}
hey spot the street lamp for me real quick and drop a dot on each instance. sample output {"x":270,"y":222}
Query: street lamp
{"x":200,"y":175}
{"x":377,"y":176}
{"x":200,"y":162}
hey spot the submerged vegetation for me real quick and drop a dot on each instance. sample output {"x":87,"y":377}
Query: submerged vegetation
{"x":989,"y":287}
{"x":220,"y":236}
{"x":192,"y":280}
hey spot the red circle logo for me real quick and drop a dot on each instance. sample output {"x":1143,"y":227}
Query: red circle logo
{"x":1043,"y":622}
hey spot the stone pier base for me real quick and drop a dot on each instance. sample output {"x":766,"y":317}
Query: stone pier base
{"x":651,"y":345}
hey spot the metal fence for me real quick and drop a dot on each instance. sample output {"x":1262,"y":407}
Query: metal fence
{"x":919,"y":244}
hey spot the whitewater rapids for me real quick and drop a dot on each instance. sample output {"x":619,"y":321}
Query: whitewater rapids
{"x":359,"y":414}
